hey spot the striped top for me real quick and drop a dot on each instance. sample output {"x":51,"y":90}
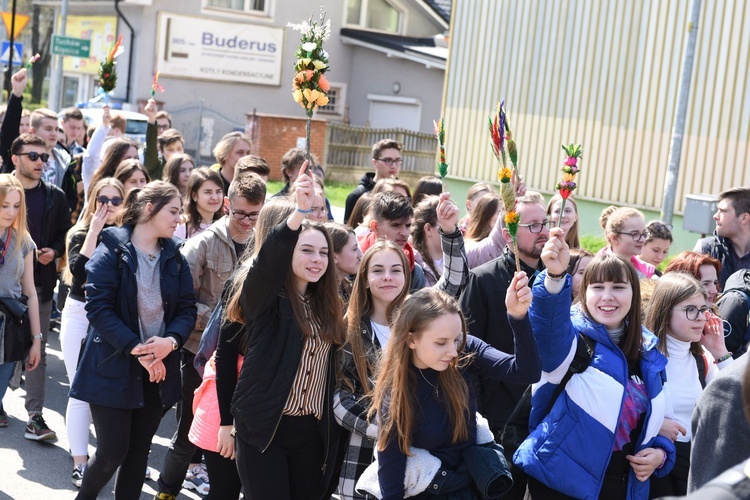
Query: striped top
{"x":308,"y":389}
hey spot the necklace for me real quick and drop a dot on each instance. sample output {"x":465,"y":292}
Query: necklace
{"x":435,"y":387}
{"x":150,"y":256}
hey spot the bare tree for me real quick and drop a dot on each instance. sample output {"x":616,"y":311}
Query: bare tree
{"x":42,"y":26}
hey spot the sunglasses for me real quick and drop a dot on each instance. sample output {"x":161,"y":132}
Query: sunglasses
{"x":34,"y":156}
{"x":116,"y":201}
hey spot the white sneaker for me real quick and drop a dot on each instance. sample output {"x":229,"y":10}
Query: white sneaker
{"x":197,"y":479}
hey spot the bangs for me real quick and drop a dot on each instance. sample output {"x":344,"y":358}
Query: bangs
{"x":607,"y":267}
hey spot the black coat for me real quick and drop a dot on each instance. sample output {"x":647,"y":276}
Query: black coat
{"x":275,"y":346}
{"x":55,"y":225}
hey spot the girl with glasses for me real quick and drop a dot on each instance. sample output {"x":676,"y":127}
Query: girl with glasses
{"x":204,"y":202}
{"x":625,"y":229}
{"x":108,"y":195}
{"x":677,"y":314}
{"x":597,"y":436}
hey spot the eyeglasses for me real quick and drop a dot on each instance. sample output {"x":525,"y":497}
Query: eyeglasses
{"x":243,"y":215}
{"x":34,"y":156}
{"x":116,"y":201}
{"x":391,"y":161}
{"x":636,"y":235}
{"x":162,"y":127}
{"x":318,"y":211}
{"x":692,"y":312}
{"x":536,"y":227}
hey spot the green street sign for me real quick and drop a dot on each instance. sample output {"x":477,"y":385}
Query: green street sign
{"x":69,"y":46}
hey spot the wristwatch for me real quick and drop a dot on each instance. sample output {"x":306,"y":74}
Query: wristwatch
{"x":175,"y":345}
{"x":37,"y":337}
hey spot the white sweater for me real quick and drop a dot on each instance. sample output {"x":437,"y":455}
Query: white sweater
{"x":683,"y":387}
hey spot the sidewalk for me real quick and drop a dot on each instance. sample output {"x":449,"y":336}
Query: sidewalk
{"x":42,"y":470}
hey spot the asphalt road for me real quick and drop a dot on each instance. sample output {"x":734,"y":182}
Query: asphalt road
{"x":39,"y":470}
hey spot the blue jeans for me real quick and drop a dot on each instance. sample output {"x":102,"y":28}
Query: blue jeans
{"x":6,"y":372}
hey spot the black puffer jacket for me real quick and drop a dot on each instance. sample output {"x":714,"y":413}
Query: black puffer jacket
{"x":733,"y":309}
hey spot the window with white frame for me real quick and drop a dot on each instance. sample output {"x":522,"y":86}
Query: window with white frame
{"x":249,"y":6}
{"x":336,"y":100}
{"x":379,"y":15}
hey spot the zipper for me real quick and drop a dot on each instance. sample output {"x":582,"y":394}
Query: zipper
{"x":328,"y":416}
{"x":276,"y":428}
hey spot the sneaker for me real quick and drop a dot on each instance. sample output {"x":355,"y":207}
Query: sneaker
{"x":78,"y":475}
{"x":3,"y":418}
{"x":37,"y":429}
{"x":164,"y":496}
{"x":197,"y":479}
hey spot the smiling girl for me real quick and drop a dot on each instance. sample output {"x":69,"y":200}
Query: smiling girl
{"x":286,"y":438}
{"x":424,"y":396}
{"x":141,"y":306}
{"x":204,"y":202}
{"x":626,"y":233}
{"x":106,"y":205}
{"x":615,"y":406}
{"x":677,"y":315}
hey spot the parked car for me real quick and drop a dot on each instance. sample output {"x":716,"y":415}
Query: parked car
{"x":135,"y":128}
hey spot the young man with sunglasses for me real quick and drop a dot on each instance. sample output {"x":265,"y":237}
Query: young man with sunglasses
{"x":48,"y":218}
{"x":386,"y":161}
{"x":483,"y":303}
{"x":212,"y":256}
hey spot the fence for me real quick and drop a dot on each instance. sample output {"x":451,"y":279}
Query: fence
{"x":202,"y":128}
{"x":351,"y":147}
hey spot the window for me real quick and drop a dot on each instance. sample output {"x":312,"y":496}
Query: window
{"x":336,"y":101}
{"x":241,"y":5}
{"x":378,"y":15}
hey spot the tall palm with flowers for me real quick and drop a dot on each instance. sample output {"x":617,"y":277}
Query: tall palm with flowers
{"x":570,"y":169}
{"x":310,"y":86}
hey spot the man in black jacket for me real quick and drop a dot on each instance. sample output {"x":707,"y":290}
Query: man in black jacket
{"x":483,"y":303}
{"x":730,"y":243}
{"x":386,"y":160}
{"x":48,"y":218}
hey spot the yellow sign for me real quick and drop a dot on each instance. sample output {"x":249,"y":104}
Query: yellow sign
{"x":101,"y":30}
{"x":21,"y":21}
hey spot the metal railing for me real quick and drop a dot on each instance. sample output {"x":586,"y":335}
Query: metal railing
{"x":202,"y":128}
{"x":349,"y":146}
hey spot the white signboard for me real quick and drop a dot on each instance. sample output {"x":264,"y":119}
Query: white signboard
{"x":192,"y":47}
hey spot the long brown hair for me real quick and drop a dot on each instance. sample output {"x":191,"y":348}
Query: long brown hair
{"x":610,"y":267}
{"x":198,"y":177}
{"x":273,"y":213}
{"x":112,"y":158}
{"x":480,"y":222}
{"x":158,"y":193}
{"x":670,"y":290}
{"x":396,"y":383}
{"x":361,"y":305}
{"x":571,"y":238}
{"x":172,"y":168}
{"x":425,"y":213}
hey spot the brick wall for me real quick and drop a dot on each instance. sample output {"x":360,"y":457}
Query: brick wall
{"x":274,"y":135}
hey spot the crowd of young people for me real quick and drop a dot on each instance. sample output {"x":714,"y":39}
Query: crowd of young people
{"x":380,"y":358}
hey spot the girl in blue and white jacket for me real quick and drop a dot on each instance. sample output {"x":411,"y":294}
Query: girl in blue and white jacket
{"x":600,"y":438}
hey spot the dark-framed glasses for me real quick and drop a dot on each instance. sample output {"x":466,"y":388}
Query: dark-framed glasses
{"x":243,"y":215}
{"x":692,"y":312}
{"x":636,"y":235}
{"x":34,"y":156}
{"x":536,"y":227}
{"x":116,"y":201}
{"x":391,"y":161}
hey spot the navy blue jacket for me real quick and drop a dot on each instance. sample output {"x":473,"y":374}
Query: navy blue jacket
{"x":107,"y":374}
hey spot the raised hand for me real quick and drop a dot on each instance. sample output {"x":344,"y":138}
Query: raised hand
{"x":150,"y":110}
{"x":447,"y":213}
{"x":99,"y":219}
{"x":713,"y":336}
{"x":556,"y":253}
{"x":304,"y":188}
{"x":106,"y":116}
{"x":18,"y":82}
{"x":518,"y":296}
{"x":518,"y":184}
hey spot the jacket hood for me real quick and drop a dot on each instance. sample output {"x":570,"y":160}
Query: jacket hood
{"x":221,"y":229}
{"x":739,"y":281}
{"x":368,"y":180}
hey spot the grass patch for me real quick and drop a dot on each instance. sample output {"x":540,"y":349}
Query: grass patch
{"x":592,"y":243}
{"x":336,"y":192}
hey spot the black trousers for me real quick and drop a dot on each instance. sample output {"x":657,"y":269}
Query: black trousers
{"x":225,"y":480}
{"x":182,"y":452}
{"x":123,"y":440}
{"x":290,"y":469}
{"x":675,"y":483}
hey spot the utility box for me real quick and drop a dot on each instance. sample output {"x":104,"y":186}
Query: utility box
{"x":699,"y":213}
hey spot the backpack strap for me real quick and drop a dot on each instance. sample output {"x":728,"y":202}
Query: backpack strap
{"x":702,"y":363}
{"x":581,"y":361}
